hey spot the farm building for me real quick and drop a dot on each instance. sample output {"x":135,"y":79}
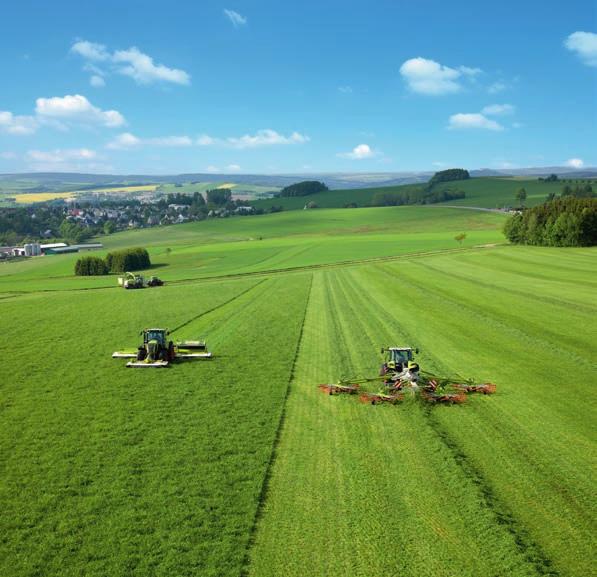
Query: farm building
{"x":74,"y":248}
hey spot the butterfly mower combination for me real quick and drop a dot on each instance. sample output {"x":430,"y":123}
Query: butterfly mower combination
{"x":157,"y":351}
{"x":400,"y":376}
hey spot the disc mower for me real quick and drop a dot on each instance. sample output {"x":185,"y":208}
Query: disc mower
{"x":157,"y":351}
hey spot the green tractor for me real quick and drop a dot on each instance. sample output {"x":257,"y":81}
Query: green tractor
{"x":397,"y":359}
{"x":131,"y":281}
{"x":158,"y":351}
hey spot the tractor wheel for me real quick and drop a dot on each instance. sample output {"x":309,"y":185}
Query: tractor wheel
{"x":141,"y":354}
{"x":171,"y":353}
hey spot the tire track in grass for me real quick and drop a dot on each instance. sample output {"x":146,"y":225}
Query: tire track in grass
{"x":549,"y":344}
{"x":219,"y":306}
{"x":263,"y":494}
{"x":546,"y":299}
{"x":528,"y":549}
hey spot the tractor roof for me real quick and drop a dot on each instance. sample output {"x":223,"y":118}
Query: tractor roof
{"x":400,"y":349}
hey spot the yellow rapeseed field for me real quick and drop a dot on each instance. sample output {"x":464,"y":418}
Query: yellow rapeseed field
{"x":41,"y":196}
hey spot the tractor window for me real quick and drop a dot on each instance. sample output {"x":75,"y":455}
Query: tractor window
{"x":154,"y":335}
{"x":401,"y":356}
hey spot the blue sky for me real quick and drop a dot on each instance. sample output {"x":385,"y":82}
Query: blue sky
{"x":311,"y":86}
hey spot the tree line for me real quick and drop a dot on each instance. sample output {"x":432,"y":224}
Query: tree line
{"x":448,"y":175}
{"x":303,"y":188}
{"x":124,"y":260}
{"x":563,"y":221}
{"x":415,"y":196}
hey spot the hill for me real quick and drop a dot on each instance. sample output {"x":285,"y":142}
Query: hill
{"x":486,"y":192}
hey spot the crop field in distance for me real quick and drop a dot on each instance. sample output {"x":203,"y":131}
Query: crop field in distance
{"x":239,"y":466}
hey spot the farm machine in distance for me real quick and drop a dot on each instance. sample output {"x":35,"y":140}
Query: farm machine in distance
{"x":400,"y":375}
{"x":157,"y":351}
{"x":131,"y":280}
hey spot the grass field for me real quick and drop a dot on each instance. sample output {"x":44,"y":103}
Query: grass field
{"x":240,"y":466}
{"x":278,"y":241}
{"x":481,"y":192}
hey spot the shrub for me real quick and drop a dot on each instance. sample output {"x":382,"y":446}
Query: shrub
{"x":91,"y":266}
{"x":128,"y":259}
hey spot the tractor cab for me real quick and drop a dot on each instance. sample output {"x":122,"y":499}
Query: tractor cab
{"x":397,"y":358}
{"x":158,"y":335}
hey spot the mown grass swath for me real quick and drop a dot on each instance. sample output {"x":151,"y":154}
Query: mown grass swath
{"x":498,"y":486}
{"x":111,"y":471}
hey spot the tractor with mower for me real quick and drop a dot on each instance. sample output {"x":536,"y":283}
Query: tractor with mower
{"x":400,"y":377}
{"x":158,"y":351}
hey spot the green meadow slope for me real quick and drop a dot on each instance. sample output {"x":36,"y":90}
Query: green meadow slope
{"x":482,"y":192}
{"x":288,"y":240}
{"x":240,"y":466}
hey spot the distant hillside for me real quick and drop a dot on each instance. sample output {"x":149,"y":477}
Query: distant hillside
{"x":488,"y":192}
{"x":51,"y":181}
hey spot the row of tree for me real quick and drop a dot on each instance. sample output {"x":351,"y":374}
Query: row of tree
{"x":415,"y":196}
{"x":124,"y":260}
{"x":303,"y":188}
{"x":128,"y":259}
{"x":448,"y":175}
{"x":91,"y":266}
{"x":564,"y":221}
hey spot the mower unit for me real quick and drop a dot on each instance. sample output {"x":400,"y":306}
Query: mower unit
{"x":156,"y":351}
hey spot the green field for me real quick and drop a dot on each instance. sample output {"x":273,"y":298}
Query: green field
{"x":482,"y":192}
{"x":239,"y":466}
{"x":288,"y":240}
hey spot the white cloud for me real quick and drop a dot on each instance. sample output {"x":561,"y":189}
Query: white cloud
{"x":204,"y":140}
{"x":71,"y":159}
{"x":236,"y":18}
{"x":97,"y":81}
{"x":131,"y":62}
{"x":7,"y":155}
{"x":76,"y":108}
{"x":90,"y":50}
{"x":345,"y":89}
{"x":212,"y":169}
{"x":265,"y":137}
{"x":19,"y":125}
{"x":474,"y":120}
{"x":584,"y":44}
{"x":59,"y":155}
{"x":498,"y":109}
{"x":359,"y":152}
{"x":233,"y":168}
{"x":126,"y":140}
{"x":429,"y":77}
{"x":497,"y":87}
{"x":141,"y":68}
{"x":575,"y":163}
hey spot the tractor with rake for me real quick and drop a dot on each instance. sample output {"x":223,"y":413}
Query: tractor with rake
{"x":401,"y":377}
{"x":158,"y":351}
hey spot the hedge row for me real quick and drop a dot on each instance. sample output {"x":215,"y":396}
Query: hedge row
{"x":128,"y":259}
{"x":91,"y":266}
{"x":118,"y":261}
